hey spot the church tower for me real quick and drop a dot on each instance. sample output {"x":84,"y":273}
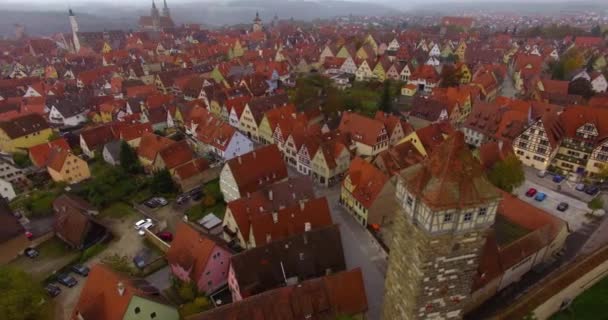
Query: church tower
{"x":155,"y":16}
{"x":257,"y":23}
{"x":166,"y":12}
{"x":446,"y":207}
{"x":74,"y":25}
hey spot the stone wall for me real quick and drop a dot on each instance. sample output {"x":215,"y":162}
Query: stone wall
{"x":430,"y":275}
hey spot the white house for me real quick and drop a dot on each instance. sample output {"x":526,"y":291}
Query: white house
{"x":68,"y":113}
{"x":6,"y":190}
{"x":349,"y":66}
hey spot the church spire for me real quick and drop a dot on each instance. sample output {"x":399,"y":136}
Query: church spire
{"x":166,"y":11}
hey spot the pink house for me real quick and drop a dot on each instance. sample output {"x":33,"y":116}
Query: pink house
{"x":194,"y":257}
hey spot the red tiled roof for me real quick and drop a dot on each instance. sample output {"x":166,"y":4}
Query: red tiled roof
{"x":151,"y":144}
{"x":361,"y":128}
{"x":39,"y":154}
{"x":176,"y":154}
{"x":258,"y":168}
{"x":190,"y":250}
{"x":367,"y":180}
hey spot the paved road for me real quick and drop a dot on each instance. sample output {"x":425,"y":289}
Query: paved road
{"x":508,"y":88}
{"x":359,"y":251}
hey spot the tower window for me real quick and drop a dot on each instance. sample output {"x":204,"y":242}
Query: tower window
{"x":483,"y":211}
{"x":468,"y":216}
{"x":409,"y":201}
{"x":447,"y":217}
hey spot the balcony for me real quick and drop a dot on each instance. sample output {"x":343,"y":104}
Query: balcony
{"x":578,"y":146}
{"x":571,"y":159}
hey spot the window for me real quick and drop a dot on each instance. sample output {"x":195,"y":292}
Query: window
{"x":152,"y":315}
{"x":468,"y":216}
{"x":447,"y":217}
{"x":483,"y":211}
{"x":523,"y":144}
{"x":409,"y":201}
{"x":137,"y":310}
{"x":541,"y":150}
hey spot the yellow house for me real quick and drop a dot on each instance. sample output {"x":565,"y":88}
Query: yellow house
{"x":461,"y":50}
{"x":465,"y":73}
{"x":379,"y":72}
{"x":329,"y":162}
{"x":343,"y":53}
{"x":106,"y":48}
{"x":237,"y":49}
{"x":370,"y":40}
{"x":265,"y":130}
{"x":362,"y":53}
{"x":409,"y":90}
{"x":23,"y":132}
{"x":64,"y":166}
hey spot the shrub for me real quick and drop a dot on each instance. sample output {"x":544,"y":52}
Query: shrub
{"x":187,"y":291}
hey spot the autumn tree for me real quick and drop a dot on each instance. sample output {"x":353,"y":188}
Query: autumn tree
{"x":507,"y":174}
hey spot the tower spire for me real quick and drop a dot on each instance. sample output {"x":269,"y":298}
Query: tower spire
{"x":166,"y":11}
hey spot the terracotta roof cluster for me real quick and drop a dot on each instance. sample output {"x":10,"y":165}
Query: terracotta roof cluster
{"x":361,"y":128}
{"x":304,"y":256}
{"x":450,"y":178}
{"x":151,"y":144}
{"x":398,"y":157}
{"x":258,"y":168}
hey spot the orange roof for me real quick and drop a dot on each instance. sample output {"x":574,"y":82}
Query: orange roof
{"x":57,"y":157}
{"x":39,"y":154}
{"x":367,"y":180}
{"x":134,"y":131}
{"x":190,"y":250}
{"x":176,"y":154}
{"x":258,"y":168}
{"x":361,"y":128}
{"x":151,"y":144}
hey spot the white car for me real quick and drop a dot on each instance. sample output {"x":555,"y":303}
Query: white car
{"x":139,"y":224}
{"x":144,"y":227}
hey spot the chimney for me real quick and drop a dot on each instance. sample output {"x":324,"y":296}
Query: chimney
{"x":239,"y":160}
{"x":301,"y":256}
{"x":270,"y":195}
{"x":79,"y":315}
{"x":306,"y":226}
{"x":261,"y":209}
{"x":500,"y":143}
{"x":275,"y":217}
{"x":268,"y":238}
{"x":254,"y":154}
{"x":121,"y":288}
{"x":302,"y":205}
{"x":248,"y":195}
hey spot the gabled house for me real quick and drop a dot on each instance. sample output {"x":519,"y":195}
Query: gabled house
{"x":149,"y":146}
{"x":64,"y":166}
{"x":331,"y":160}
{"x":252,"y":171}
{"x":23,"y":132}
{"x":114,"y":296}
{"x":369,"y":135}
{"x":39,"y":154}
{"x":368,"y":193}
{"x":538,"y":144}
{"x":111,"y":152}
{"x":94,"y":139}
{"x":68,"y":113}
{"x":74,"y":224}
{"x":309,"y":255}
{"x":197,"y":259}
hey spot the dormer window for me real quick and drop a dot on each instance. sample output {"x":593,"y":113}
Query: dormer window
{"x":483,"y":211}
{"x":468,"y":216}
{"x":447,"y":217}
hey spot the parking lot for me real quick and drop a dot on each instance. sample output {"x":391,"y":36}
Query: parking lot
{"x":574,"y":215}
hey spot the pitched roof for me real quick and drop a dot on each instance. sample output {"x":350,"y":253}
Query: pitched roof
{"x":151,"y":144}
{"x":24,"y":125}
{"x":450,"y":178}
{"x":322,"y":298}
{"x":361,"y":128}
{"x":176,"y":154}
{"x":97,"y":137}
{"x":57,"y":158}
{"x":367,"y":180}
{"x":258,"y":168}
{"x":71,"y":220}
{"x":399,"y":157}
{"x":40,"y":153}
{"x":190,"y":250}
{"x":305,"y":256}
{"x":106,"y":294}
{"x":290,"y":221}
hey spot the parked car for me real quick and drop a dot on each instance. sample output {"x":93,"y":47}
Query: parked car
{"x":52,"y":290}
{"x":196,"y":194}
{"x":165,"y":236}
{"x":80,"y":270}
{"x":31,"y":253}
{"x":141,"y":223}
{"x":183,"y":198}
{"x":144,"y":227}
{"x":580,"y":187}
{"x":152,"y":203}
{"x":557,"y":178}
{"x":592,"y":190}
{"x":66,"y":280}
{"x":541,"y":173}
{"x":139,"y":261}
{"x":563,"y":206}
{"x":531,"y":192}
{"x":161,"y":201}
{"x":540,"y":196}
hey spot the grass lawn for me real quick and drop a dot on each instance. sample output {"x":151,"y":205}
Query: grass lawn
{"x":507,"y":232}
{"x":53,"y":248}
{"x":590,"y":305}
{"x":197,"y":211}
{"x":117,"y":210}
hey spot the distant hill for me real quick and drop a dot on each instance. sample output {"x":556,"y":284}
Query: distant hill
{"x":99,"y":16}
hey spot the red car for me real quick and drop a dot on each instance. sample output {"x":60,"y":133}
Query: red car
{"x":531,"y":192}
{"x":165,"y":236}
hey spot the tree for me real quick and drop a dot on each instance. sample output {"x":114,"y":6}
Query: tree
{"x":162,"y":182}
{"x":128,"y":159}
{"x":54,"y":136}
{"x":385,"y":100}
{"x":581,"y":87}
{"x":118,"y":263}
{"x":595,"y":204}
{"x":22,"y":298}
{"x":208,"y":201}
{"x":450,"y":77}
{"x":596,"y":31}
{"x":507,"y":174}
